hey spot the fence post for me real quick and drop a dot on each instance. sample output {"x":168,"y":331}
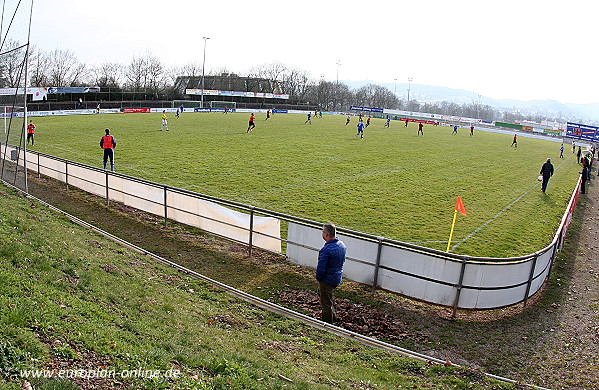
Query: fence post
{"x":377,"y":263}
{"x":251,"y":230}
{"x":530,"y":277}
{"x":107,"y":200}
{"x":165,"y":208}
{"x":66,"y":173}
{"x":458,"y":289}
{"x":556,"y":248}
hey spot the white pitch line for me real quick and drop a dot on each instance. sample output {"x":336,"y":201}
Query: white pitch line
{"x":499,"y":213}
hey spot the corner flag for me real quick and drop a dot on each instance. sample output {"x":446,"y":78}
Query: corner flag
{"x":459,"y":206}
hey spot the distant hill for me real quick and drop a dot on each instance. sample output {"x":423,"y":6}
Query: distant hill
{"x":550,"y":108}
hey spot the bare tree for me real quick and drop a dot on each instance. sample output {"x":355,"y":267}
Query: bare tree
{"x":191,"y":69}
{"x":373,"y":95}
{"x":146,"y":73}
{"x":65,"y":70}
{"x":274,"y":72}
{"x":135,"y":74}
{"x":108,"y":74}
{"x":12,"y":62}
{"x":157,"y":76}
{"x":296,"y":83}
{"x":38,"y":68}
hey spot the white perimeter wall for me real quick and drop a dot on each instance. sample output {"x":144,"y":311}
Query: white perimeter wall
{"x":424,"y":275}
{"x":181,"y":207}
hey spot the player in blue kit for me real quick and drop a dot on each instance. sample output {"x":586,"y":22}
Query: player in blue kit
{"x":360,"y":129}
{"x":309,"y":120}
{"x":180,"y":110}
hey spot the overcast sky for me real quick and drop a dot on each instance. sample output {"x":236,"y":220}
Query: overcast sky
{"x":525,"y":49}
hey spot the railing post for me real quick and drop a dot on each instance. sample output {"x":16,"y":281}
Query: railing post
{"x":377,"y":264}
{"x":14,"y":182}
{"x":251,"y":230}
{"x":165,"y":208}
{"x":555,"y":250}
{"x":39,"y":174}
{"x":530,"y":277}
{"x":66,"y":173}
{"x":107,"y":200}
{"x":458,"y":289}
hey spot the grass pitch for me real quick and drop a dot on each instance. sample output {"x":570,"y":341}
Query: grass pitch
{"x":72,"y":300}
{"x":392,"y":183}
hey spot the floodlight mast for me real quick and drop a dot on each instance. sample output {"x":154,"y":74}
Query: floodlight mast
{"x":203,"y":68}
{"x":409,"y":83}
{"x":337,"y":89}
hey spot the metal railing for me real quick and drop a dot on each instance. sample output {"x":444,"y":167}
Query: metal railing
{"x":431,"y":275}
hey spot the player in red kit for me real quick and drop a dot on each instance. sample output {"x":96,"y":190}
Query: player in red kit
{"x":251,"y":124}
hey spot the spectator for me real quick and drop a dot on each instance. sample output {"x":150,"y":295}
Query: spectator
{"x":547,"y":172}
{"x":584,"y":175}
{"x":108,"y":143}
{"x":329,"y":270}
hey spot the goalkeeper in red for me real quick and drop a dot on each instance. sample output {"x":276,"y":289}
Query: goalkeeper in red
{"x":31,"y":133}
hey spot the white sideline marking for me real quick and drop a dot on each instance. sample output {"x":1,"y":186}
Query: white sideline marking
{"x":499,"y":213}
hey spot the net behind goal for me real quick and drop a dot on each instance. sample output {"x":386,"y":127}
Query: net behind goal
{"x":217,"y":104}
{"x":15,"y":18}
{"x":11,"y":116}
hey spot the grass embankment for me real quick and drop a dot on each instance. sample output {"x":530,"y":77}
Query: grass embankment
{"x":70,"y":299}
{"x":392,"y":183}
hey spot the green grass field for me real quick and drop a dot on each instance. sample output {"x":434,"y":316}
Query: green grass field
{"x":392,"y":183}
{"x":70,"y":299}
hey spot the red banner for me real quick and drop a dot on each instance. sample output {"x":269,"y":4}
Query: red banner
{"x":132,"y":110}
{"x":571,"y":209}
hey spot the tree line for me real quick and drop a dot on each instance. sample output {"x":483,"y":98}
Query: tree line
{"x":146,"y":73}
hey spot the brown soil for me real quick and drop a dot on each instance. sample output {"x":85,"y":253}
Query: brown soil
{"x":552,"y":342}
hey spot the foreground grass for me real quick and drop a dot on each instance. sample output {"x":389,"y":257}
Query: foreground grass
{"x":71,"y":299}
{"x":392,"y":183}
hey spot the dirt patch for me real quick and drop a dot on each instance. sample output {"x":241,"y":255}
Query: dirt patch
{"x":352,"y":316}
{"x":552,"y":342}
{"x":68,"y":356}
{"x":227,"y":321}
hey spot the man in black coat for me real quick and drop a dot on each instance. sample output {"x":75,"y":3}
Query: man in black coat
{"x":547,"y":172}
{"x":585,"y":175}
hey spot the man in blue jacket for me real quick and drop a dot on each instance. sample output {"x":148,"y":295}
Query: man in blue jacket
{"x":329,"y":270}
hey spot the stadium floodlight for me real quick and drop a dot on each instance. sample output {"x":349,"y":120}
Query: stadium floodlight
{"x":337,"y":88}
{"x":409,"y":82}
{"x":203,"y":67}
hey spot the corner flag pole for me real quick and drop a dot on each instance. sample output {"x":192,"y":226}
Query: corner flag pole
{"x":455,"y":214}
{"x":459,"y":206}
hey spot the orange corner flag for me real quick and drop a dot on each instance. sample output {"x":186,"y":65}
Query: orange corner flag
{"x":459,"y":206}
